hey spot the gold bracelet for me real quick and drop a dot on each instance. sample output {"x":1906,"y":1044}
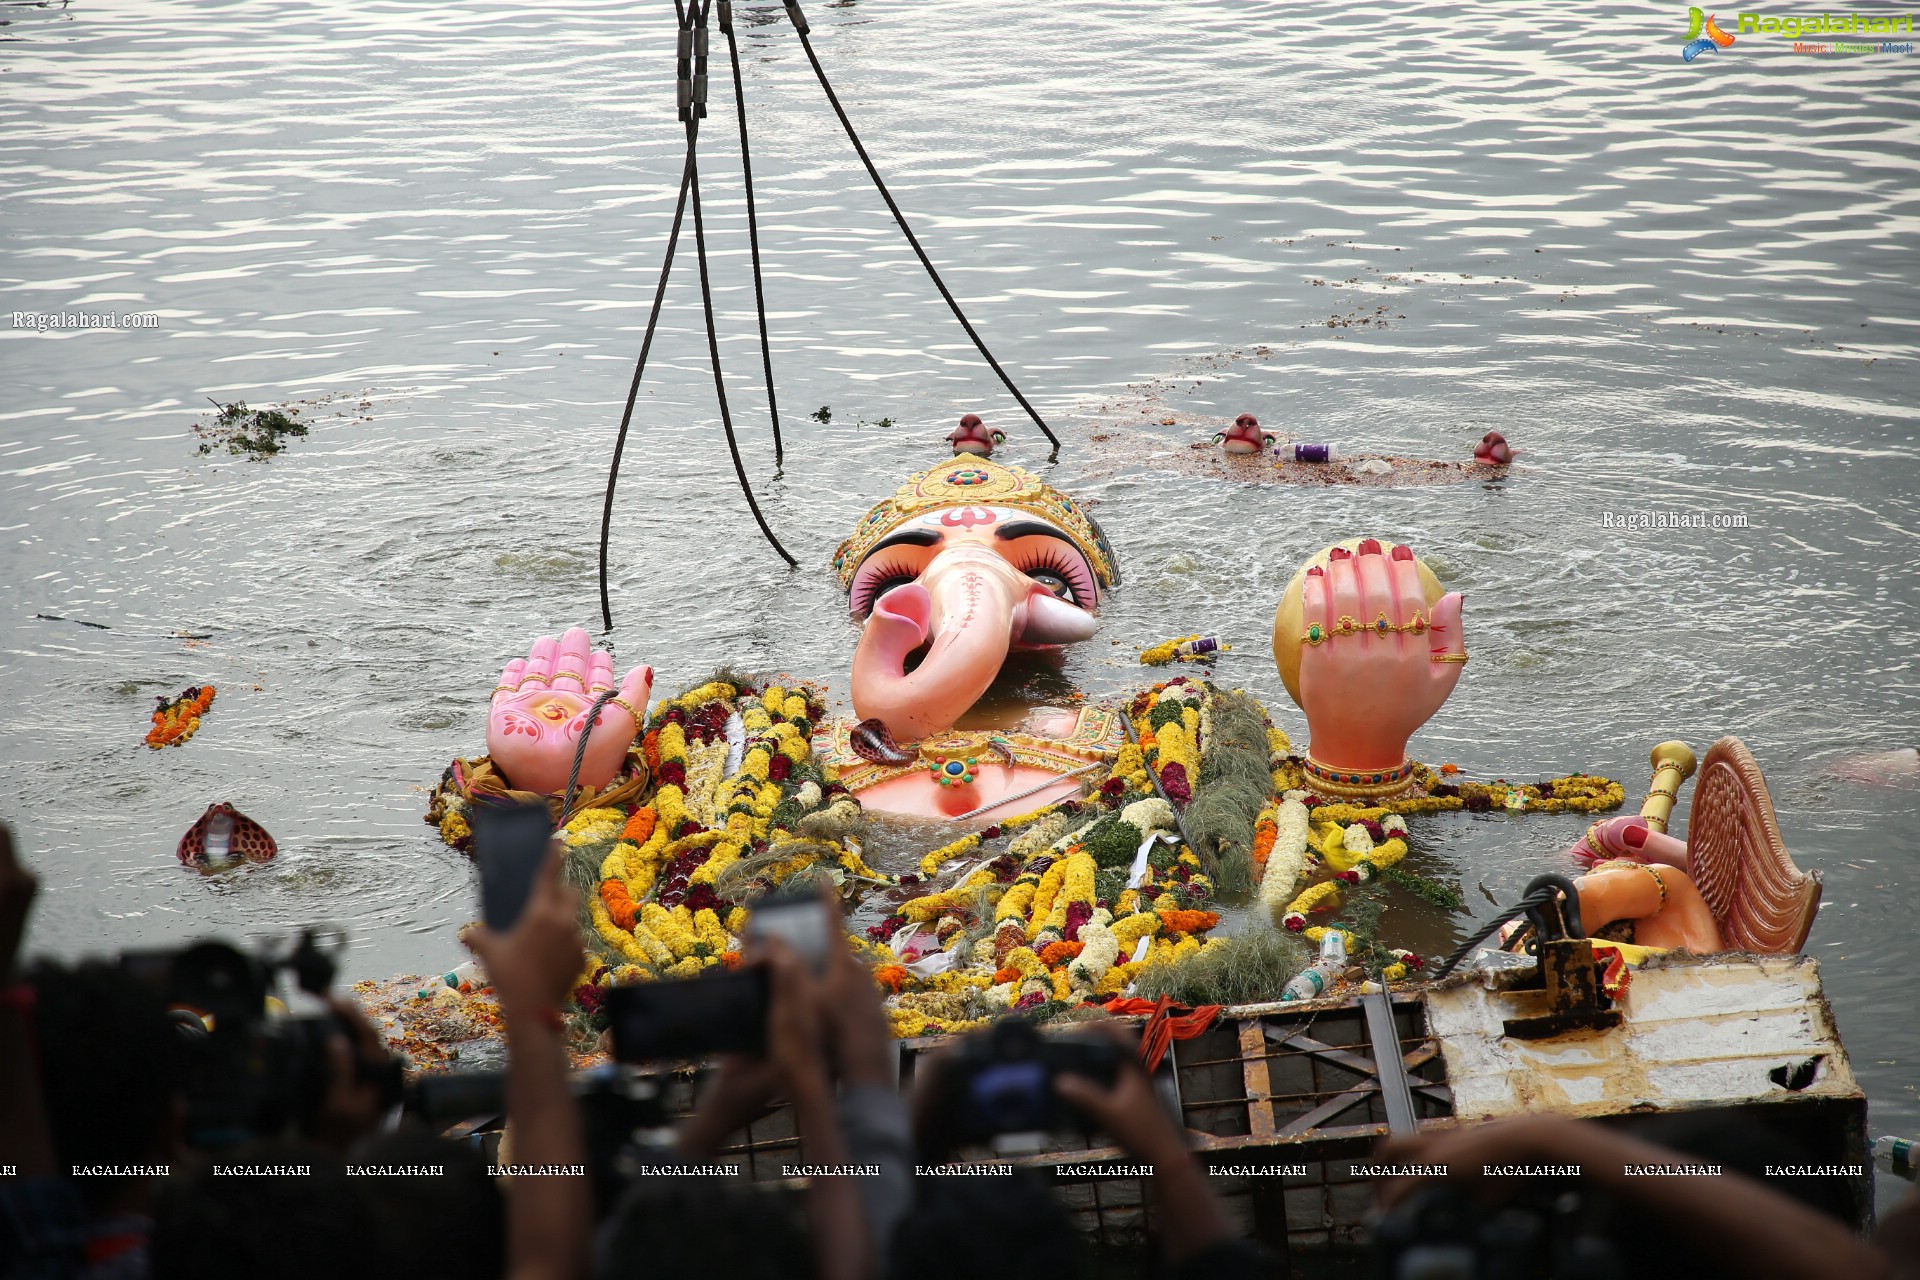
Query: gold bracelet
{"x":1348,"y":625}
{"x":1644,"y":866}
{"x":1447,"y":657}
{"x":1648,"y":868}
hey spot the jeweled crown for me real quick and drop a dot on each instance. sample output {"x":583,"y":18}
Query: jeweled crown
{"x":969,"y":481}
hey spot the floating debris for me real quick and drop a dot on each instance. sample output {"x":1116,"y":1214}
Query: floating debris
{"x":178,"y":718}
{"x":256,"y":434}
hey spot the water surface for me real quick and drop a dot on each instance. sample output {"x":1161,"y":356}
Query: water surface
{"x":1677,"y":288}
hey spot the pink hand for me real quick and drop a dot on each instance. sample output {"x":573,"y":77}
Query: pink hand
{"x":1365,"y":690}
{"x":540,"y":710}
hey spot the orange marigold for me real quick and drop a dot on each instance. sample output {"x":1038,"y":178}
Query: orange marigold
{"x":619,"y":903}
{"x":650,"y":749}
{"x":1055,"y":954}
{"x":1008,"y":974}
{"x":639,"y":826}
{"x":891,"y":976}
{"x":731,"y":959}
{"x":1263,"y":837}
{"x":1188,"y":921}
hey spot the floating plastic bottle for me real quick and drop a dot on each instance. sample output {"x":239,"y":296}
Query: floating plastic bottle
{"x":1205,"y":644}
{"x":218,"y":840}
{"x":1313,"y":453}
{"x":1898,"y":1156}
{"x":1318,"y":976}
{"x":467,"y":977}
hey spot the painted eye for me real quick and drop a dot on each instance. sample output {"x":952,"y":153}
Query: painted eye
{"x":1049,"y":563}
{"x":873,"y":582}
{"x":1053,"y":582}
{"x":879,"y":588}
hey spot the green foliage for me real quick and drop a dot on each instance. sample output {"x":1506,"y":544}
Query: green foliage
{"x":1113,"y":843}
{"x":1440,"y":895}
{"x":257,"y":434}
{"x":1165,"y":711}
{"x":1247,"y":968}
{"x":1234,"y":785}
{"x":823,"y":414}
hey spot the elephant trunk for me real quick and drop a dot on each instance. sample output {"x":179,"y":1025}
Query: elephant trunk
{"x":968,"y":608}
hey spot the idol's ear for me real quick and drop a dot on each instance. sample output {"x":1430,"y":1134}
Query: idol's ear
{"x":1266,"y":437}
{"x":999,"y":437}
{"x":1219,"y":436}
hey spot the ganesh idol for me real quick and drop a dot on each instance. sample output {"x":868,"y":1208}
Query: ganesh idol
{"x":965,"y":564}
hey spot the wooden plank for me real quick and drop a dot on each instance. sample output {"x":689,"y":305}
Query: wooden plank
{"x":1253,"y":1071}
{"x":1417,"y":1056}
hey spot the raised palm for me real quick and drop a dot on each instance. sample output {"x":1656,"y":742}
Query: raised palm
{"x":1364,"y":686}
{"x":539,"y":710}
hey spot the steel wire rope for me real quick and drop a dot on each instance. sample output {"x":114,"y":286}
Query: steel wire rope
{"x":833,"y":100}
{"x":719,"y":382}
{"x":753,"y":226}
{"x":690,"y":19}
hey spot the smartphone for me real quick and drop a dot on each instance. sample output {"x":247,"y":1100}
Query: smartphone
{"x":509,"y":844}
{"x":690,"y":1017}
{"x":802,"y":921}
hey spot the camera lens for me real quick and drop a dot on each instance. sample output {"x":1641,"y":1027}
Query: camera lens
{"x":1011,"y":1097}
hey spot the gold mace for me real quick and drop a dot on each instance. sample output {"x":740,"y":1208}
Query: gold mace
{"x":1673,"y":764}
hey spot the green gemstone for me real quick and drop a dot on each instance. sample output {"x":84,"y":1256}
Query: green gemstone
{"x":1313,"y":634}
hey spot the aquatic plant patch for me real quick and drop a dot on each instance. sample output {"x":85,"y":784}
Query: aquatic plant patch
{"x":255,"y":434}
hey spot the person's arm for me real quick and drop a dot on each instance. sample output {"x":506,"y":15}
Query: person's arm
{"x":742,"y":1088}
{"x":1132,"y":1115}
{"x":25,"y":1142}
{"x":872,"y":1113}
{"x":532,"y":967}
{"x":836,"y":1219}
{"x":1758,"y":1232}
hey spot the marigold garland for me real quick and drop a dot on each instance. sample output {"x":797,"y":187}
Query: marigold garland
{"x":1055,"y":920}
{"x":178,"y":718}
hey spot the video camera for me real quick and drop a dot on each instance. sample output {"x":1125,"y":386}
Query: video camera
{"x":1550,"y":1233}
{"x":248,"y":1072}
{"x":1000,"y":1080}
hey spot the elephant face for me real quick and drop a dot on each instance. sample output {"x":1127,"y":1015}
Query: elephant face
{"x":967,"y":584}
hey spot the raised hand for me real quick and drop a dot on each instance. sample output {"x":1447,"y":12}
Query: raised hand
{"x":1375,"y":659}
{"x":539,"y":710}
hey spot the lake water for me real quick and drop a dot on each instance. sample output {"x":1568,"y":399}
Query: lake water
{"x":1677,"y":288}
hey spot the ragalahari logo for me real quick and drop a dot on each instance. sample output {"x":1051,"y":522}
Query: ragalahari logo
{"x":1698,"y":21}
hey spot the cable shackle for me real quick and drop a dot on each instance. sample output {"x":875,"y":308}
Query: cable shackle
{"x":690,"y":69}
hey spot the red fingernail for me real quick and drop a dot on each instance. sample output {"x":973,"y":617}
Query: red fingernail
{"x":1316,"y":572}
{"x":1369,"y":547}
{"x":1339,"y":553}
{"x":1403,"y":553}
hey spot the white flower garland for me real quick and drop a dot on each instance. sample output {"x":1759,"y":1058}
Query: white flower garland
{"x":1149,"y":815}
{"x":1287,"y":860}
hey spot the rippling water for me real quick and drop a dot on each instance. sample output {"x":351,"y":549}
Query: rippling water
{"x":1677,"y":288}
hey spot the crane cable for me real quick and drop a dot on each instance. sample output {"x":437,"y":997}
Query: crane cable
{"x":833,"y":99}
{"x":692,"y":91}
{"x":753,"y":225}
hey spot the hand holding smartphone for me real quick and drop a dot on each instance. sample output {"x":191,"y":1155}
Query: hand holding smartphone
{"x":509,"y":845}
